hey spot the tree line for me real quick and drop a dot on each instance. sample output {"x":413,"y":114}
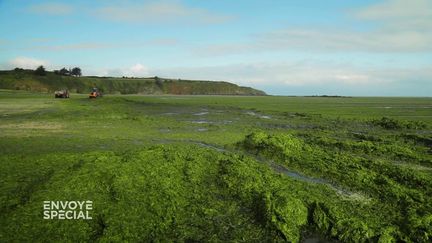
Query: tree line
{"x":41,"y":71}
{"x":76,"y":71}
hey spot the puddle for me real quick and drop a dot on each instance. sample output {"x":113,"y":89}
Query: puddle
{"x":201,"y":113}
{"x":201,"y":129}
{"x":251,"y":113}
{"x":296,"y":175}
{"x":201,"y":122}
{"x":206,"y":145}
{"x":210,"y":122}
{"x":202,"y":144}
{"x":300,"y":177}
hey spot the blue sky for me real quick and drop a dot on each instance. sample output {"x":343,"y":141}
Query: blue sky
{"x":284,"y":47}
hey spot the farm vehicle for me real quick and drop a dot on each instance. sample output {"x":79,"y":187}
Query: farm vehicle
{"x":61,"y":94}
{"x":95,"y":93}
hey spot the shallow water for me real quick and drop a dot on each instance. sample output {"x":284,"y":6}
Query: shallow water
{"x":258,"y":115}
{"x":201,"y":122}
{"x":201,"y":113}
{"x":297,"y":176}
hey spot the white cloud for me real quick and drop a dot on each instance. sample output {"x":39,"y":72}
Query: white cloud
{"x":302,"y":73}
{"x":101,"y":45}
{"x":398,"y":26}
{"x":51,"y":8}
{"x":25,"y":62}
{"x":331,"y":40}
{"x":396,"y":9}
{"x":76,"y":46}
{"x":136,"y":70}
{"x":160,"y":12}
{"x":384,"y":40}
{"x":399,"y":15}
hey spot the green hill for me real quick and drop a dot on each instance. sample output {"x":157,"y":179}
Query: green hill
{"x":28,"y":80}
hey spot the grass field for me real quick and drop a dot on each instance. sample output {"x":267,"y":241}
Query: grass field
{"x":217,"y":168}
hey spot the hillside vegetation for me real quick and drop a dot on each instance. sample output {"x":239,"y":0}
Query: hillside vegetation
{"x":28,"y":80}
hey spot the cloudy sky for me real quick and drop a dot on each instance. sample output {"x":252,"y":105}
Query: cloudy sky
{"x":284,"y":47}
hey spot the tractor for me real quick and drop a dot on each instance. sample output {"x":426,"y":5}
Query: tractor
{"x":61,"y":93}
{"x":95,"y":93}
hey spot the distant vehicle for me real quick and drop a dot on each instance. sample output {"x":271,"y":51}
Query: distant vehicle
{"x":61,"y":93}
{"x":95,"y":93}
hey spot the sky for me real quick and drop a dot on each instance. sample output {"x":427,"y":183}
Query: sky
{"x":284,"y":47}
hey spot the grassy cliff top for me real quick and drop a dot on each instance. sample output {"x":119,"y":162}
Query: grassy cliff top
{"x":28,"y":80}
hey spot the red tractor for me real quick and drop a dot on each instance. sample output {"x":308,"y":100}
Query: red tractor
{"x":61,"y":93}
{"x":95,"y":93}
